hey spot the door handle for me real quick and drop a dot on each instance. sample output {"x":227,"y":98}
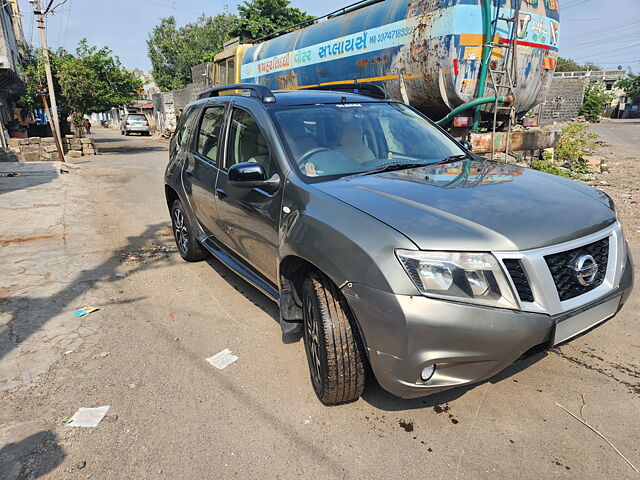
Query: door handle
{"x":220,"y":193}
{"x":188,"y":171}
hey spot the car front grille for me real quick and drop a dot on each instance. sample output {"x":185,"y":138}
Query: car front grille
{"x":561,"y":266}
{"x":514,"y":267}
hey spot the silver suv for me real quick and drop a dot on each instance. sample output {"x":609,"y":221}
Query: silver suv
{"x":389,"y":244}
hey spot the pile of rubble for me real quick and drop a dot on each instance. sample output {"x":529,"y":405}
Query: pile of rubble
{"x":43,"y":149}
{"x":77,"y":147}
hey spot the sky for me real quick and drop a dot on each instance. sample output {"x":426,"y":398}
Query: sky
{"x":602,"y":32}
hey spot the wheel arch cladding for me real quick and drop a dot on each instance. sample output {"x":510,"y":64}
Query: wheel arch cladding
{"x":171,"y":195}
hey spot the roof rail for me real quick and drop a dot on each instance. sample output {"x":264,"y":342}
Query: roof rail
{"x":261,"y":92}
{"x":368,"y":89}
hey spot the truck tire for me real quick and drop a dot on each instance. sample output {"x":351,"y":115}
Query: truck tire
{"x":188,"y":246}
{"x":332,"y":342}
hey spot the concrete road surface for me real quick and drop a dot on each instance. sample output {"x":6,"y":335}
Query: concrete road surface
{"x":66,"y":237}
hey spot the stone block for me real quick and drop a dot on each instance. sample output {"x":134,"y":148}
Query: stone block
{"x":86,"y":140}
{"x":595,"y":162}
{"x":48,"y":141}
{"x":47,"y":156}
{"x":13,"y":142}
{"x":69,"y":136}
{"x":34,"y":140}
{"x":74,"y":153}
{"x":49,"y":148}
{"x":23,"y":141}
{"x":30,"y":156}
{"x":88,"y":151}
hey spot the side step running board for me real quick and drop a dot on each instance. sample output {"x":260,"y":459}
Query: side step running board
{"x":243,"y":270}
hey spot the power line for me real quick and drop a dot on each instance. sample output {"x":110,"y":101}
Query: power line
{"x":66,"y":30}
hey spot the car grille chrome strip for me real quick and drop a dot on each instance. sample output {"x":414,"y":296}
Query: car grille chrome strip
{"x":554,"y":274}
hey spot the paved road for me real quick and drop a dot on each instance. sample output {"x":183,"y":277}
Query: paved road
{"x":172,"y":415}
{"x":624,"y":133}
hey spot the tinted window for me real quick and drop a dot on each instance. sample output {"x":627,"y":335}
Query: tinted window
{"x":230,"y":72}
{"x":341,"y":139}
{"x":137,"y":117}
{"x":210,"y":132}
{"x":247,"y":144}
{"x":222,"y":73}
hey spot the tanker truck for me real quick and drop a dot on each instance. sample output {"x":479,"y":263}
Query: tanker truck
{"x":474,"y":66}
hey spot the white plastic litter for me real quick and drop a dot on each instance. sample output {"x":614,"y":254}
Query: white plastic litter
{"x":88,"y":417}
{"x":222,"y":359}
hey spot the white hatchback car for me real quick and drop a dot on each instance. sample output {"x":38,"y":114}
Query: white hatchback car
{"x":134,"y":123}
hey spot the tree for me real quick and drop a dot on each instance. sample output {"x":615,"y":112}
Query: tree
{"x":174,"y":50}
{"x":91,"y":80}
{"x":568,"y":65}
{"x":595,"y":99}
{"x":631,"y":85}
{"x":259,"y":18}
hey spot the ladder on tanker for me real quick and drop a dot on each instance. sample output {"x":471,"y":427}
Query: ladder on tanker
{"x":504,"y":80}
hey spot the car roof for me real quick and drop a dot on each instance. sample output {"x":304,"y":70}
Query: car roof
{"x":286,"y":98}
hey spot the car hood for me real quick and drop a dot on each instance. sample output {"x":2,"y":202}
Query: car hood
{"x":477,"y":205}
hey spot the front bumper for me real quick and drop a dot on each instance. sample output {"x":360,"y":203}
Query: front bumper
{"x":468,"y":343}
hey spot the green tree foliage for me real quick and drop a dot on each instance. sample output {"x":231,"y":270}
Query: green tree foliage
{"x":596,"y":98}
{"x":91,"y":80}
{"x":259,"y":18}
{"x":174,"y":50}
{"x":631,"y":85}
{"x":568,"y":65}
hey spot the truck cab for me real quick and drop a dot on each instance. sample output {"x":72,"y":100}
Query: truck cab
{"x":226,"y":64}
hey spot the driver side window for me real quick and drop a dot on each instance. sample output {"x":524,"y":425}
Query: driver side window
{"x":247,"y":144}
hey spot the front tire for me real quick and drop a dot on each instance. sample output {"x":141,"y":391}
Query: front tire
{"x":188,"y":246}
{"x":332,"y":342}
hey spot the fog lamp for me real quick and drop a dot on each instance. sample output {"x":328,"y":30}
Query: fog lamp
{"x":427,"y":372}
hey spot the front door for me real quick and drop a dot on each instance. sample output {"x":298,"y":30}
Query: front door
{"x":202,"y":166}
{"x":249,"y":217}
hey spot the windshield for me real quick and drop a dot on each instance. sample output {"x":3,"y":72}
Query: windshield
{"x":139,"y":117}
{"x":344,"y":139}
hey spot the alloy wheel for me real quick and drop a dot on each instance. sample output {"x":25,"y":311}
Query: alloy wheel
{"x":181,"y":231}
{"x":313,"y":343}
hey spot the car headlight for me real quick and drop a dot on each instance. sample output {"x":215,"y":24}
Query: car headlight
{"x":465,"y":277}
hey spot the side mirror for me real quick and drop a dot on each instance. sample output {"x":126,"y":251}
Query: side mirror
{"x":466,"y":144}
{"x":252,"y":175}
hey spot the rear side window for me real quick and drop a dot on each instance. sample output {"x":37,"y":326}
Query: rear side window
{"x":210,"y":132}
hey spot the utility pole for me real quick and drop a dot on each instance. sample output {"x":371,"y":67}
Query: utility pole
{"x":55,"y":126}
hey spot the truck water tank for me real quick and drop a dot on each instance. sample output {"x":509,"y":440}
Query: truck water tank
{"x":427,"y":52}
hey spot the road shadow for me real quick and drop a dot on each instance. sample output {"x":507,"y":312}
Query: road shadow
{"x":251,"y":293}
{"x":29,"y":314}
{"x":129,"y":149}
{"x":25,"y":179}
{"x":379,"y":398}
{"x":32,"y":457}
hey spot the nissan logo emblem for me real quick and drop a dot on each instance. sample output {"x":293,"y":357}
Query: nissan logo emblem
{"x":586,"y":269}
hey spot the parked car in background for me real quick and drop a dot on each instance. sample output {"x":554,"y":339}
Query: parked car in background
{"x":134,"y":123}
{"x":396,"y":248}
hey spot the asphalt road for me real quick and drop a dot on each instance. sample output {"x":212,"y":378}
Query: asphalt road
{"x":172,"y":415}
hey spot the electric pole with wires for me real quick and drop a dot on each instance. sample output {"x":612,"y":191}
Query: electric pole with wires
{"x":40,"y":19}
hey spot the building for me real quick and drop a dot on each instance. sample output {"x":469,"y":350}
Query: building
{"x":566,"y":93}
{"x":10,"y":60}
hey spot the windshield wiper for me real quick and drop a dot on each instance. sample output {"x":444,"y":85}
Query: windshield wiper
{"x":387,"y":168}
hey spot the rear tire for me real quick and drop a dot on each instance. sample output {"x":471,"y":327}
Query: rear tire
{"x":188,"y":246}
{"x":332,"y":342}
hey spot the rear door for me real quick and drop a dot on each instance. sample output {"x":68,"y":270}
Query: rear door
{"x":201,"y":168}
{"x":249,"y":218}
